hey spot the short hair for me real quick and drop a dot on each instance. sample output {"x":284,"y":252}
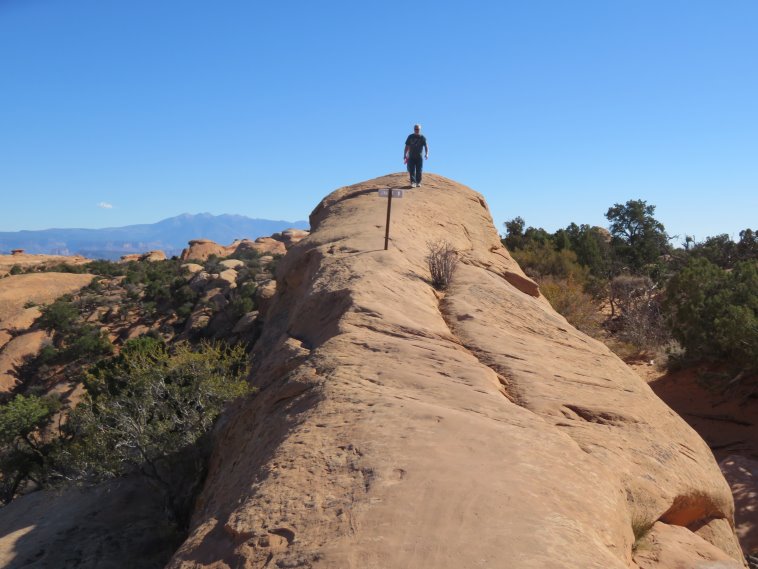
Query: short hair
{"x":416,"y":126}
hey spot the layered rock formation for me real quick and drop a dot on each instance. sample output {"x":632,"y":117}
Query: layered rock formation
{"x":400,"y":427}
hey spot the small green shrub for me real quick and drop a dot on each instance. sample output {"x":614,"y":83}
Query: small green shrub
{"x":106,"y":268}
{"x":240,"y":306}
{"x":23,"y":453}
{"x":185,"y":310}
{"x":59,"y":317}
{"x":250,"y":256}
{"x":87,"y":344}
{"x":211,"y":264}
{"x":62,"y":268}
{"x":271,"y":267}
{"x":243,"y":300}
{"x":47,"y":355}
{"x":94,"y":287}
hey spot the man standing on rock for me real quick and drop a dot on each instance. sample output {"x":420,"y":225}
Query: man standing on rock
{"x":412,"y":154}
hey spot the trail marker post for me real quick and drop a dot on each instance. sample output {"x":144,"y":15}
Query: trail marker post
{"x":389,"y":194}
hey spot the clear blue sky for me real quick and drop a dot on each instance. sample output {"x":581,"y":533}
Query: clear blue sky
{"x":554,"y":110}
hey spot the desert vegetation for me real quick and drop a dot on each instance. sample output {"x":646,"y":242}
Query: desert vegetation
{"x":148,"y":411}
{"x":145,"y":412}
{"x":149,"y":349}
{"x":442,"y":259}
{"x":627,"y":285}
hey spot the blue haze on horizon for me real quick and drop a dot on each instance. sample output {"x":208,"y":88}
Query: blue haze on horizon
{"x":115,"y":113}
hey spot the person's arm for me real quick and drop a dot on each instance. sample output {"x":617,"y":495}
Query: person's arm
{"x":426,"y":148}
{"x":405,"y":152}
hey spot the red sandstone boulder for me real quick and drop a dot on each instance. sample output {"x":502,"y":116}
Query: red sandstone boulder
{"x":201,"y":249}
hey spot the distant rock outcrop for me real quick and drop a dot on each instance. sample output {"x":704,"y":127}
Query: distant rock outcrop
{"x":277,"y":244}
{"x":27,"y":261}
{"x":150,"y":256}
{"x":291,"y":236}
{"x":201,"y":249}
{"x":268,"y":245}
{"x":397,"y":426}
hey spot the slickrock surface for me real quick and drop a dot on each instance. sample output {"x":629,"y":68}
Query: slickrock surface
{"x":397,"y":427}
{"x":15,"y":352}
{"x":38,"y":288}
{"x":31,"y":260}
{"x":16,"y":315}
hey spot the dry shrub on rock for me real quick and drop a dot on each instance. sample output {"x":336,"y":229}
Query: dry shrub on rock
{"x":639,"y":320}
{"x":442,"y":259}
{"x":627,"y":291}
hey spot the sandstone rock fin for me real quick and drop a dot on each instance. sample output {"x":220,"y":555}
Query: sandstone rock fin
{"x":474,"y":428}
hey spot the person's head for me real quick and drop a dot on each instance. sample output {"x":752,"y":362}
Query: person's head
{"x":417,"y":128}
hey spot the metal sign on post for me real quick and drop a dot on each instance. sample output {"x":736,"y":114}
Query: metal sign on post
{"x":389,"y":194}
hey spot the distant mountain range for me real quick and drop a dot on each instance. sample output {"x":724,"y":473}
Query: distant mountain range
{"x":170,"y":236}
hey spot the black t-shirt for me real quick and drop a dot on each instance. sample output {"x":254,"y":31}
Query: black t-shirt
{"x":415,"y":143}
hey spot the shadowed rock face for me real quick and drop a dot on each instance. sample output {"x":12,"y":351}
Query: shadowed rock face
{"x":113,"y":525}
{"x":397,"y":427}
